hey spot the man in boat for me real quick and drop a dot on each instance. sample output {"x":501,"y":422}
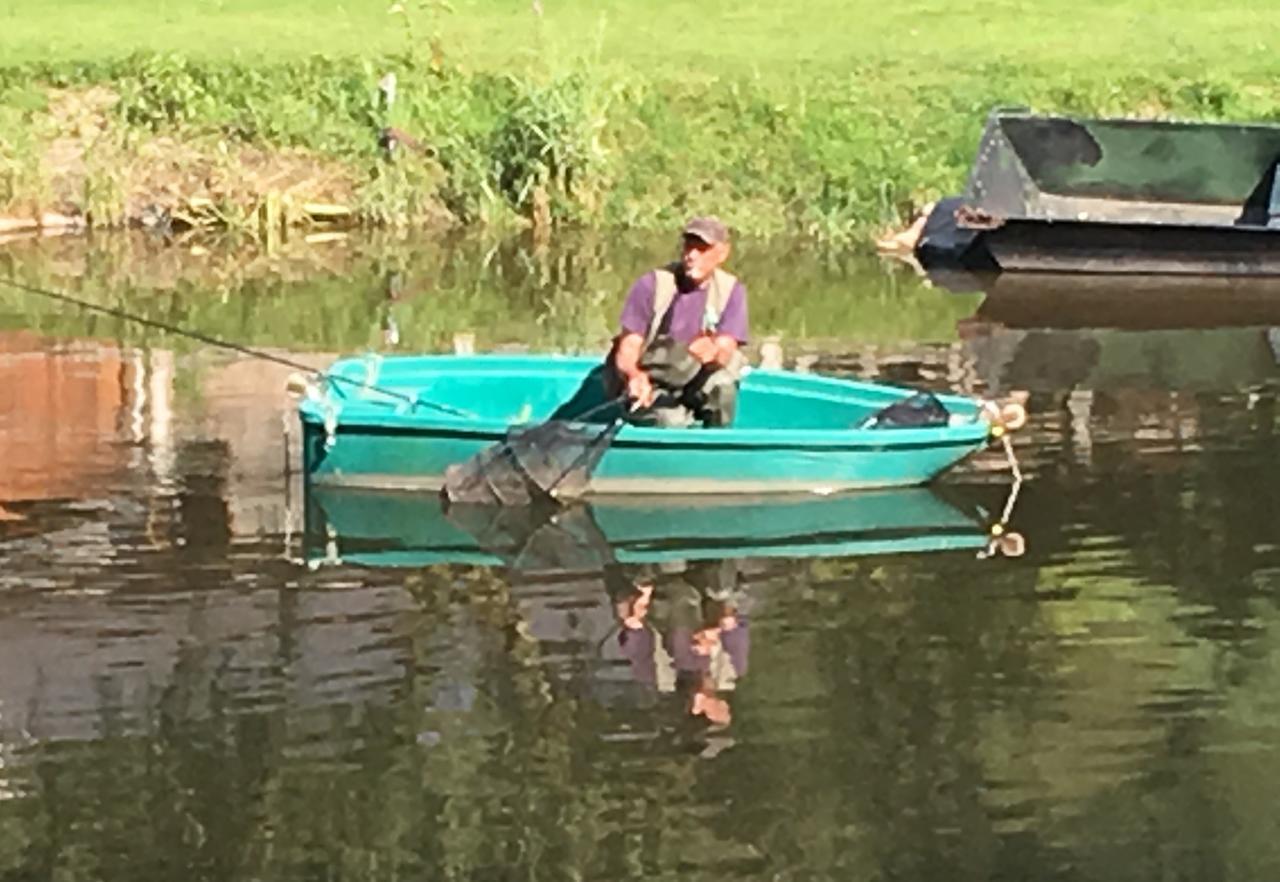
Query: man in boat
{"x":678,"y":355}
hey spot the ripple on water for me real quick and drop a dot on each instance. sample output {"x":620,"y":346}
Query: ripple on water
{"x":901,"y":716}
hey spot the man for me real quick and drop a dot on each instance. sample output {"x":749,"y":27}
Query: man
{"x":937,"y":240}
{"x":677,"y":356}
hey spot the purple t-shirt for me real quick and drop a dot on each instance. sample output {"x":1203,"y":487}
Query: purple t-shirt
{"x":684,"y":319}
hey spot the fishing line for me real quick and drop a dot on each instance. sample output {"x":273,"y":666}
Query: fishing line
{"x":223,"y":344}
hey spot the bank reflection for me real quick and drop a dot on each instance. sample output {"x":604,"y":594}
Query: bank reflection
{"x":144,"y":552}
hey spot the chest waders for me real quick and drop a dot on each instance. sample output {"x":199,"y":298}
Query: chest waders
{"x":690,"y":391}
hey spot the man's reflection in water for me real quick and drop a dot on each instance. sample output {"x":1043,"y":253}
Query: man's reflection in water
{"x":684,"y":631}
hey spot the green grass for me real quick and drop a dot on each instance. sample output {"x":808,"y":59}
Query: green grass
{"x":825,"y":118}
{"x":715,"y":38}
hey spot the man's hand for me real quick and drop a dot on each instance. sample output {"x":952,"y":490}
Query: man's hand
{"x":638,"y":608}
{"x":713,"y":350}
{"x":704,"y":349}
{"x":640,"y":389}
{"x":627,"y":362}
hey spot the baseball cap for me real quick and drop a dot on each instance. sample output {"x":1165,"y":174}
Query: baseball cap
{"x":708,"y":228}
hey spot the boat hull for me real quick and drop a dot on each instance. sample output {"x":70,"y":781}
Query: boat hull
{"x":367,"y":442}
{"x":417,"y":460}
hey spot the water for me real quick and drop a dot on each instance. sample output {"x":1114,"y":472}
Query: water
{"x":205,"y":674}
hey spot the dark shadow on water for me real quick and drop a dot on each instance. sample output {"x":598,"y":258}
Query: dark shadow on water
{"x":1131,"y":302}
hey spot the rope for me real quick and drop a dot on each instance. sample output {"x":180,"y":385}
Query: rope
{"x":1000,"y":534}
{"x":218,"y":343}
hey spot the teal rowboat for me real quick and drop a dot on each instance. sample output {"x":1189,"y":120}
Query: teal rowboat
{"x":399,"y":422}
{"x":378,"y":528}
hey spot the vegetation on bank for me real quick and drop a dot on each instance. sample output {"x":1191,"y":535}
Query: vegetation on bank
{"x":823,"y":119}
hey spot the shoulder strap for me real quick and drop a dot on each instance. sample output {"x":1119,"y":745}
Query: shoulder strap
{"x":722,"y":285}
{"x":664,"y":294}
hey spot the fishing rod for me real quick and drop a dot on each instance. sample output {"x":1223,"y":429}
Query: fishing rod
{"x":225,"y":344}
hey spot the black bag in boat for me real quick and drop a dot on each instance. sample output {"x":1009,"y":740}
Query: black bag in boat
{"x":918,"y":411}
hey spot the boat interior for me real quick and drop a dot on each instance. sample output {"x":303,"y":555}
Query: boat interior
{"x":515,"y":390}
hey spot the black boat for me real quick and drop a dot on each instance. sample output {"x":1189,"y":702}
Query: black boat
{"x":1065,"y":195}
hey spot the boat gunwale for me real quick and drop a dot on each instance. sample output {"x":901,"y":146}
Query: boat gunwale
{"x":1254,"y":126}
{"x":763,"y":440}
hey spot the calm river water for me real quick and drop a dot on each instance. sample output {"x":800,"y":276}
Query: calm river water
{"x":205,"y":674}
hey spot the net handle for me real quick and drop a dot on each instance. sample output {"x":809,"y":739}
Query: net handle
{"x":595,"y":409}
{"x":609,"y":427}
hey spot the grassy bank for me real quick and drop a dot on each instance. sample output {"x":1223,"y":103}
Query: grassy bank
{"x":821,"y":118}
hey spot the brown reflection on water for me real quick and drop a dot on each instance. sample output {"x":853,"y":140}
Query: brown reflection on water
{"x":146,"y":579}
{"x":247,"y":407}
{"x":61,"y":415}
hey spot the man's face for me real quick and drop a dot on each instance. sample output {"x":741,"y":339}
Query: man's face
{"x":701,"y":258}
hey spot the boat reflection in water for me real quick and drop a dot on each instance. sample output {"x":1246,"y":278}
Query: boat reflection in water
{"x":382,"y":528}
{"x":673,"y":623}
{"x":1074,"y":336}
{"x":1131,"y":302}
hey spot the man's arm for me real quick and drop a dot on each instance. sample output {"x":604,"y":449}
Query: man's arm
{"x":626,"y":359}
{"x":636,"y":314}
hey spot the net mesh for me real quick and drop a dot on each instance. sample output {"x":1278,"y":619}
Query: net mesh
{"x":538,"y":464}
